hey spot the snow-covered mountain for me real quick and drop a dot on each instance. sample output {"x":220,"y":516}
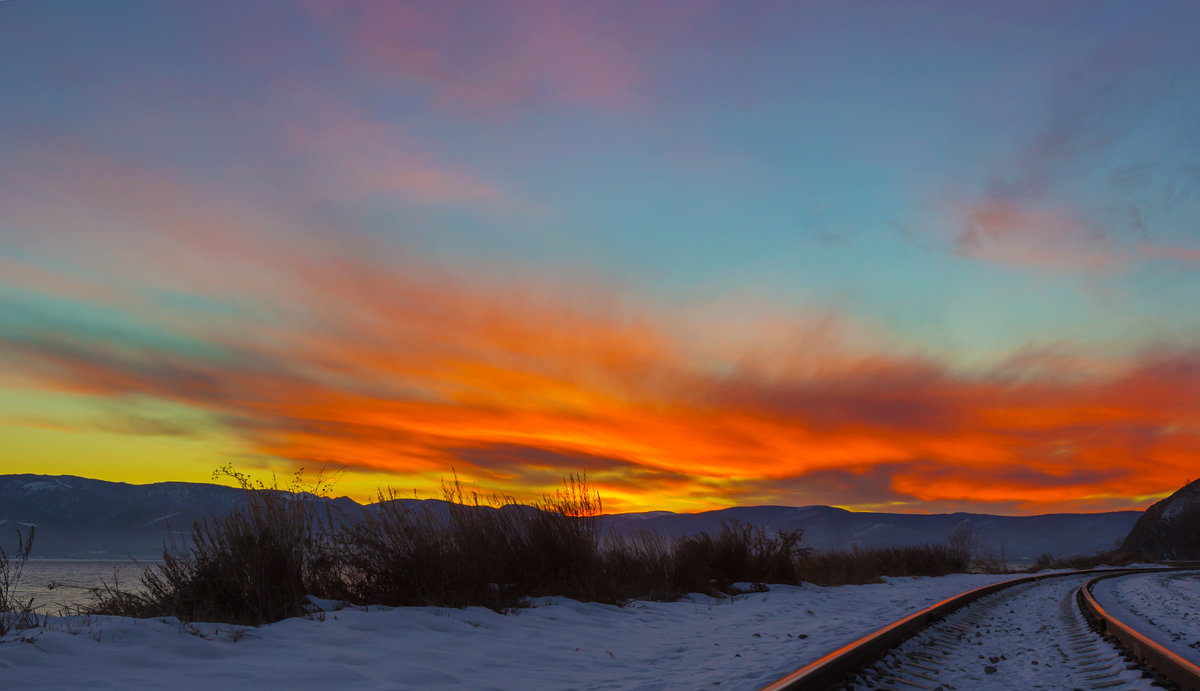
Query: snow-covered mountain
{"x":78,"y":517}
{"x":1169,"y":529}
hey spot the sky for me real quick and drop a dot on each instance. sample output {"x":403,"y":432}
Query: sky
{"x":911,"y":257}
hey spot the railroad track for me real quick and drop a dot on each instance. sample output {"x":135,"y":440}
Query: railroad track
{"x":1037,"y":632}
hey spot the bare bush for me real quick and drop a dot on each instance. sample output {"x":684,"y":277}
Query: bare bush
{"x":259,"y":563}
{"x":16,"y":614}
{"x":870,"y":565}
{"x":740,"y":552}
{"x":1086,"y":561}
{"x":963,"y":541}
{"x":253,"y":566}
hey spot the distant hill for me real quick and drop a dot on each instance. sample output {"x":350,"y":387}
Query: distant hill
{"x":79,"y":517}
{"x":1016,"y":537}
{"x":1169,"y":529}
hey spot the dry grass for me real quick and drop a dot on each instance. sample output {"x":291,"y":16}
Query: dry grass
{"x":16,"y":614}
{"x":1089,"y":561}
{"x":740,"y":552}
{"x":870,"y":565}
{"x":259,"y":563}
{"x":253,"y":566}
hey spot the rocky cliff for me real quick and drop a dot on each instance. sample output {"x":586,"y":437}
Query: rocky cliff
{"x":1169,"y":529}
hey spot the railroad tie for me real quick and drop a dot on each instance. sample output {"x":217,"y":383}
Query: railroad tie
{"x":940,"y":647}
{"x":927,"y":668}
{"x":909,"y":682}
{"x":910,"y":673}
{"x":1099,"y":668}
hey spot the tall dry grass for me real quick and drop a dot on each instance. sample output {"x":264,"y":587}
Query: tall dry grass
{"x":252,"y":566}
{"x":259,"y":563}
{"x":870,"y":565}
{"x":1086,"y":561}
{"x":16,"y":614}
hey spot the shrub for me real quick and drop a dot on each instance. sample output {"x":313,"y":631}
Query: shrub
{"x":562,"y":541}
{"x":253,"y":566}
{"x":1087,"y":561}
{"x":257,"y":564}
{"x":638,"y":566}
{"x":869,"y":565}
{"x":402,"y":555}
{"x":472,"y":549}
{"x":15,"y":613}
{"x":740,"y":552}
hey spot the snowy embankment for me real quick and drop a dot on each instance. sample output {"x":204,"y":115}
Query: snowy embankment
{"x":1163,"y":606}
{"x":739,"y":643}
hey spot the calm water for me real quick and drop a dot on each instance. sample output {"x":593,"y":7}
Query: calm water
{"x":55,"y":583}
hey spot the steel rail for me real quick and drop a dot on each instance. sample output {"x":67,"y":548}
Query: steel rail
{"x":846,"y":661}
{"x":1182,"y":672}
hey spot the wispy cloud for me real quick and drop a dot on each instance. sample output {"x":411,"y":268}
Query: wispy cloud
{"x":352,"y":155}
{"x":489,"y":58}
{"x":1027,"y":216}
{"x":1028,"y":234}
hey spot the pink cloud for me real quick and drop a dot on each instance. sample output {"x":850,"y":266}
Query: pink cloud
{"x":1042,"y":237}
{"x":488,"y":56}
{"x":1035,"y":236}
{"x":1160,"y":252}
{"x":354,"y":154}
{"x":1029,"y":217}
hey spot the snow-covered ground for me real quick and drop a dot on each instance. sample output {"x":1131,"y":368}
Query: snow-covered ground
{"x":739,"y":643}
{"x":1163,"y":606}
{"x":1032,"y":636}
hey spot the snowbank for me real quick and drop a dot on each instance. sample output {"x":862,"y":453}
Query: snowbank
{"x":738,"y":643}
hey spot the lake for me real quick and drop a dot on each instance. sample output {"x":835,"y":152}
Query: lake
{"x":57,"y":583}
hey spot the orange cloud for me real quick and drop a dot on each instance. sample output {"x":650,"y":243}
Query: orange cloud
{"x":394,"y":369}
{"x":317,"y":349}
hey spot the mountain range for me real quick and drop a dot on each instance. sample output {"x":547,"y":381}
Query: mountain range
{"x":77,"y":517}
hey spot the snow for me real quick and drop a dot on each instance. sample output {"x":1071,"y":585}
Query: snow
{"x":1162,"y":606}
{"x":1030,"y":636}
{"x":167,"y":517}
{"x":1183,"y":503}
{"x":42,"y":485}
{"x":741,"y":643}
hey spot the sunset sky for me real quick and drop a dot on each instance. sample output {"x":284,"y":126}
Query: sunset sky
{"x":914,"y":257}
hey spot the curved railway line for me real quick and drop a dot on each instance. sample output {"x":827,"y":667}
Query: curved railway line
{"x":1038,"y":632}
